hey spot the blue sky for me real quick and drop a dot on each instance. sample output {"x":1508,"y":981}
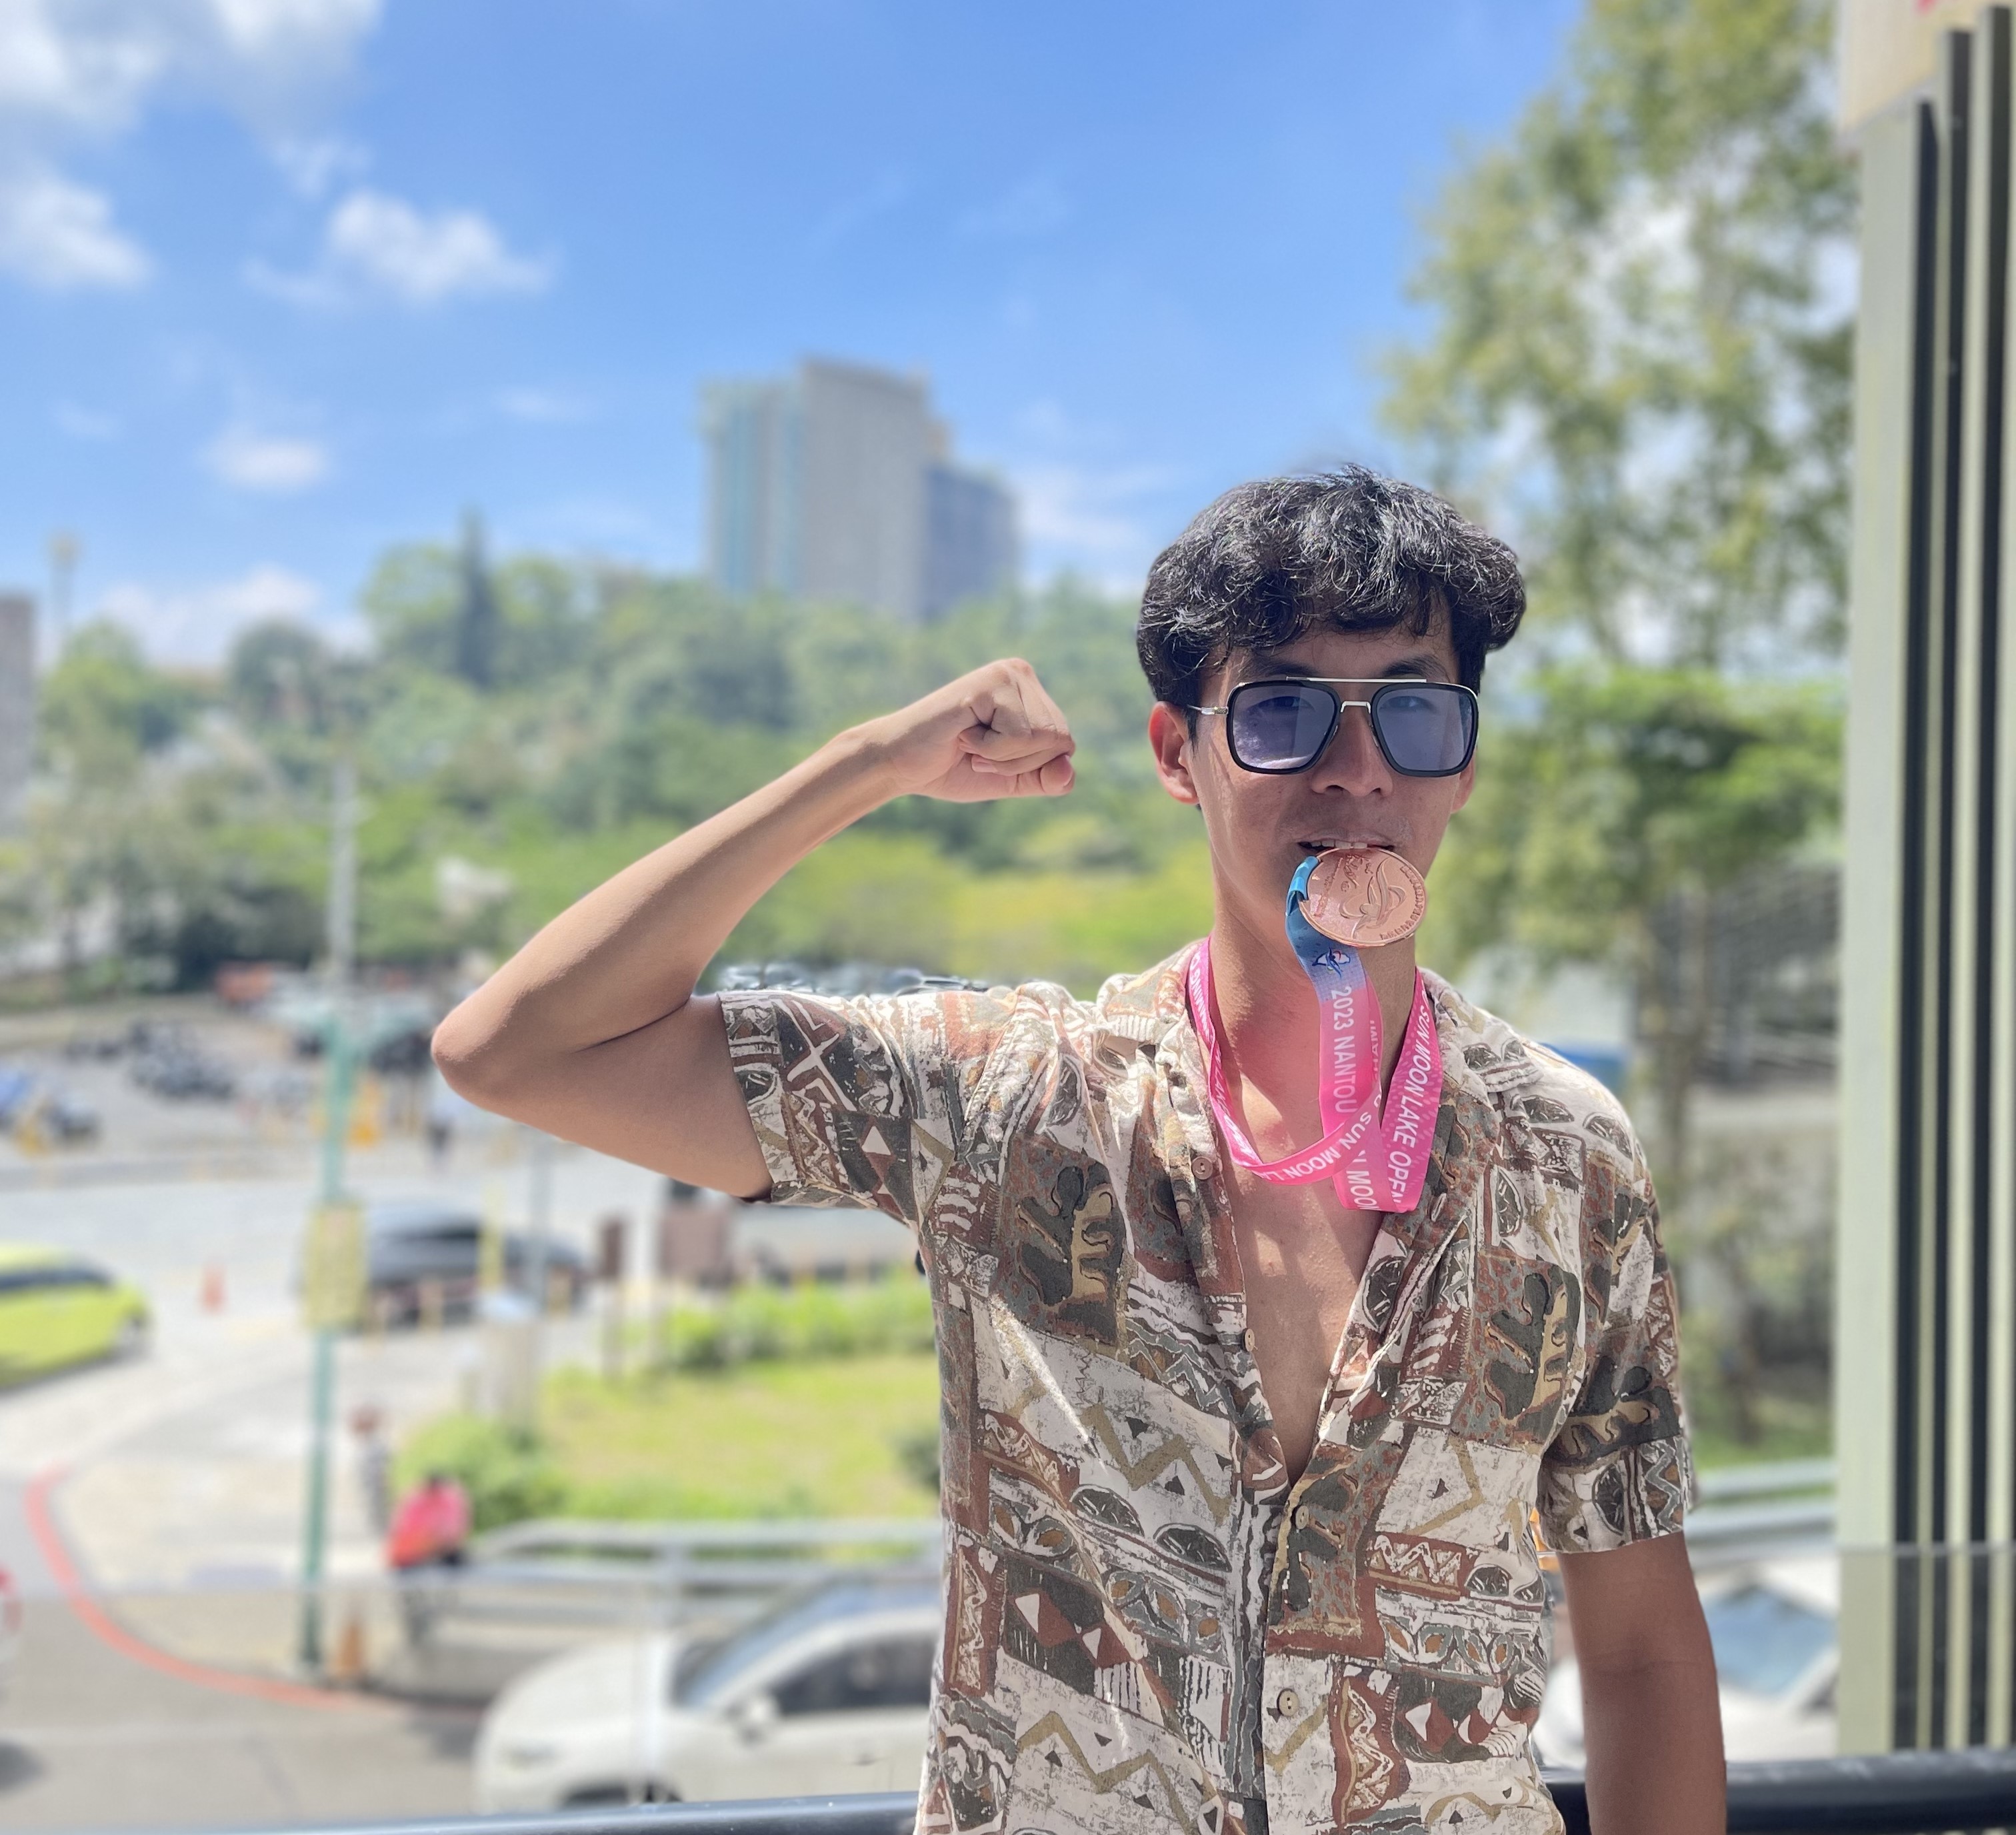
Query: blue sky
{"x":282,"y":281}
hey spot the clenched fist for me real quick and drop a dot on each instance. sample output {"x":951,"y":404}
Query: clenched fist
{"x":994,"y":732}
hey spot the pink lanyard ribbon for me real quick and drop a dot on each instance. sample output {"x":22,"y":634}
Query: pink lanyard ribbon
{"x":1375,"y":1153}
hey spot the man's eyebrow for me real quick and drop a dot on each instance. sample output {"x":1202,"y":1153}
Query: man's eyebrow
{"x":1273,"y":662}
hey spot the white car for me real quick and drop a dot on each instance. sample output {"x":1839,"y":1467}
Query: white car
{"x":827,"y":1693}
{"x":1777,"y":1654}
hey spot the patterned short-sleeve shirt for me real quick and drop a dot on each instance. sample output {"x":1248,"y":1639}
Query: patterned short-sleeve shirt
{"x":1147,"y":1627}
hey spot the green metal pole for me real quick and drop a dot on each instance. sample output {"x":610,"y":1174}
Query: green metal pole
{"x":340,"y":1057}
{"x":339,"y":1047}
{"x":322,"y":1392}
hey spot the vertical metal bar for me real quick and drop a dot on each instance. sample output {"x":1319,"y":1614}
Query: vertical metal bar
{"x":1959,"y":102}
{"x":1987,"y":663}
{"x":1905,"y":1531}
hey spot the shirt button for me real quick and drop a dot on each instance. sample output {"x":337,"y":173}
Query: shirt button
{"x":1288,"y":1702}
{"x":1205,"y":1167}
{"x":1248,"y":1341}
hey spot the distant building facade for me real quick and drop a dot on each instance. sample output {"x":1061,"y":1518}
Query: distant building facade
{"x":835,"y":484}
{"x":17,"y":702}
{"x":753,"y":433}
{"x":971,"y":548}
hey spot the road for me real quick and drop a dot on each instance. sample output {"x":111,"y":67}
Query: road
{"x":151,"y":1512}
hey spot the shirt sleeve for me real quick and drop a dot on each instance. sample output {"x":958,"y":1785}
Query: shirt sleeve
{"x":1619,"y":1470}
{"x":864,"y":1102}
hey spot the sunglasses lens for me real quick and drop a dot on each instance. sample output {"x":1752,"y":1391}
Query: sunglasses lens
{"x":1280,"y":725}
{"x":1426,"y":728}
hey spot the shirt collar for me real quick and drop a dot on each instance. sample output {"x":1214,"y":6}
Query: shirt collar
{"x":1152,"y":1009}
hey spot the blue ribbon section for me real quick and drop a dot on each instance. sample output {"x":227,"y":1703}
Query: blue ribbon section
{"x":1337,"y":975}
{"x":1317,"y":952}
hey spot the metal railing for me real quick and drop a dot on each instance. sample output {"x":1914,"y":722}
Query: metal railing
{"x":662,"y":1573}
{"x":1748,"y":1511}
{"x":1961,"y":1792}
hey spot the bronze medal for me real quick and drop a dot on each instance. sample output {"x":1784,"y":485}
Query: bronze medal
{"x":1365,"y":897}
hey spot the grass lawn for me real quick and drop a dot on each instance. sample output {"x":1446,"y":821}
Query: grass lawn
{"x":822,"y":1402}
{"x":825,"y":1436}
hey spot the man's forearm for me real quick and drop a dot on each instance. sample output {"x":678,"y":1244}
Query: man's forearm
{"x":1653,"y":1735}
{"x":630,"y":952}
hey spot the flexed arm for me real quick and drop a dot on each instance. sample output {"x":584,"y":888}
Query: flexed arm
{"x":591,"y":1031}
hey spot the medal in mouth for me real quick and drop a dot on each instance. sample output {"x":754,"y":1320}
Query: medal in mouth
{"x":1375,"y":1147}
{"x":1364,"y":897}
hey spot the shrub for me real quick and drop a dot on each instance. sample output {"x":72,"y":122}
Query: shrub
{"x":814,"y":1321}
{"x":507,"y":1471}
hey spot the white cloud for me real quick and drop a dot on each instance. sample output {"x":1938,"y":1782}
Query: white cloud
{"x":1091,"y":522}
{"x":59,"y":235}
{"x":274,"y":463}
{"x":95,"y":67}
{"x":420,"y":259}
{"x":314,"y":167}
{"x":196,"y":623}
{"x":544,"y":407}
{"x":75,"y":71}
{"x":377,"y":244}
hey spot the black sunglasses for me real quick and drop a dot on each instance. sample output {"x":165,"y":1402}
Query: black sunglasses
{"x":1424,"y":729}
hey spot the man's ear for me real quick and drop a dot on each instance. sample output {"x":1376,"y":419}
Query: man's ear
{"x":1169,"y":738}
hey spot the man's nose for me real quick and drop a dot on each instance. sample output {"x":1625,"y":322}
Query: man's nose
{"x":1354,"y":763}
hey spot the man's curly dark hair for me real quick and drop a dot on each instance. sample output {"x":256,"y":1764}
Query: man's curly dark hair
{"x":1347,"y":550}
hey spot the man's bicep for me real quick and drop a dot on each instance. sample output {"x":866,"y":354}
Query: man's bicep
{"x":664,"y":1096}
{"x":1634,"y":1605}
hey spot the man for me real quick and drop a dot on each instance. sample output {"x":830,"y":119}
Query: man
{"x":1240,"y":1479}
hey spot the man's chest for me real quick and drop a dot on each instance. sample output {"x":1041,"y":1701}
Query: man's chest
{"x":1301,"y":1257}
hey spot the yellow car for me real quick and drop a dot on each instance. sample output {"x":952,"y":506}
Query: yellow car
{"x":56,"y":1308}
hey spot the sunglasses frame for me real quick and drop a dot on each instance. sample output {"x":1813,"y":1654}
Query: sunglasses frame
{"x":1380,"y":684}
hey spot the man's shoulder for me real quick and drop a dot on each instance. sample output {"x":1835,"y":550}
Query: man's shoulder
{"x":961,"y":1018}
{"x":1529,"y":1083}
{"x":1025,"y":1021}
{"x":1139,"y":1006}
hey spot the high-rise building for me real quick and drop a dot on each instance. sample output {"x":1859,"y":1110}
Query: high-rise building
{"x":752,"y":432}
{"x":834,"y":484}
{"x":864,"y":442}
{"x":970,"y":550}
{"x":17,"y":702}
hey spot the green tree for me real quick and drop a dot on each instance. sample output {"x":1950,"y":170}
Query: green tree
{"x":104,"y":708}
{"x":1636,"y":365}
{"x":1623,"y":792}
{"x":1640,"y":325}
{"x":538,"y":621}
{"x":93,"y":844}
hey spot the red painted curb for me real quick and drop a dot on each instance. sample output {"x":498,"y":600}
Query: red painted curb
{"x":109,"y":1632}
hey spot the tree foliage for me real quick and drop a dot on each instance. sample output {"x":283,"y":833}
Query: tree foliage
{"x":1621,"y":792}
{"x":191,"y":813}
{"x":1635,"y":364}
{"x":1639,"y":359}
